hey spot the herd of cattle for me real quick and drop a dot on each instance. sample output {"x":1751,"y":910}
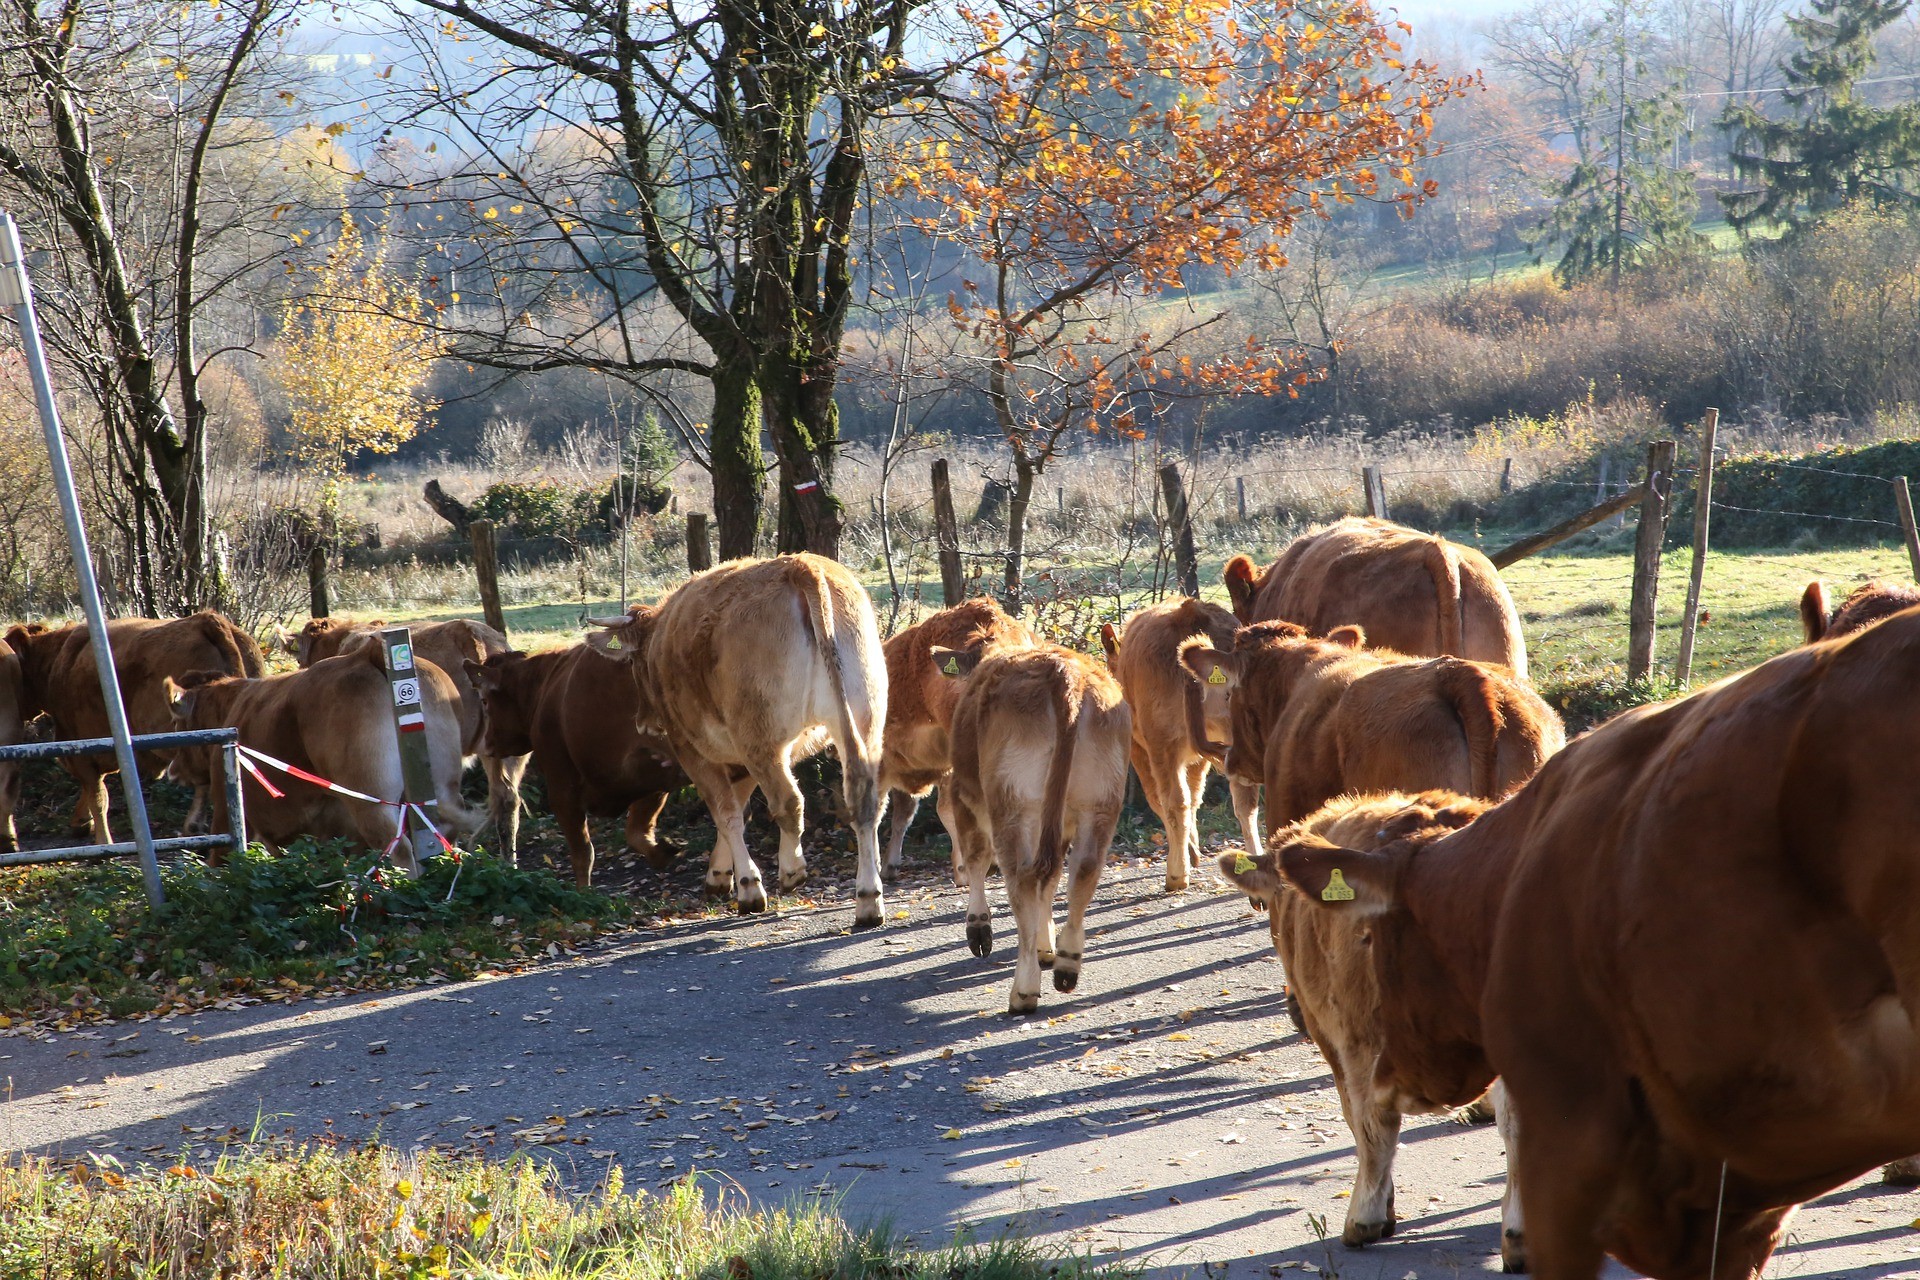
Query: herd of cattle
{"x":1679,"y":956}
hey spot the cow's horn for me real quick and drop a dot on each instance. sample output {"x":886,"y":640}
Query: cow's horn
{"x":620,"y":621}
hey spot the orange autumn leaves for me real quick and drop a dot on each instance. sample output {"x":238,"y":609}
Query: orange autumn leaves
{"x":1106,"y":149}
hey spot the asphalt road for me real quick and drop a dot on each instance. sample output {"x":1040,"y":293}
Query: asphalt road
{"x":1166,"y":1111}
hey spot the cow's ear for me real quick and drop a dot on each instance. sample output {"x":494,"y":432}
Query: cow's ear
{"x":1340,"y":879}
{"x":1348,"y":637}
{"x":612,"y":641}
{"x":954,"y":664}
{"x":179,"y":701}
{"x":1256,"y":877}
{"x":478,"y":673}
{"x":1212,"y":668}
{"x":1110,"y":641}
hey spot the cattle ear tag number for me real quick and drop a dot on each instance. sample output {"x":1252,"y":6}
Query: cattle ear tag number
{"x":1242,"y":864}
{"x":953,"y":666}
{"x":1337,"y":890}
{"x":1217,"y":677}
{"x":613,"y":641}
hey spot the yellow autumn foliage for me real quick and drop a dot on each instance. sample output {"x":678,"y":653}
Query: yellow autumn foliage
{"x":356,"y":350}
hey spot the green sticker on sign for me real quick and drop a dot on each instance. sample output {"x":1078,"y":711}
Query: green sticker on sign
{"x":1217,"y":676}
{"x":1242,"y":863}
{"x":953,"y":666}
{"x":1337,"y":890}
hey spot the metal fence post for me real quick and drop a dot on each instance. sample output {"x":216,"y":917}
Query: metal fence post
{"x":1909,"y":532}
{"x":410,"y":726}
{"x":17,"y":292}
{"x":1702,"y":512}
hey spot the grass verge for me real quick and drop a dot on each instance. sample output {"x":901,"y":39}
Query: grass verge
{"x":79,"y":943}
{"x":316,"y":1212}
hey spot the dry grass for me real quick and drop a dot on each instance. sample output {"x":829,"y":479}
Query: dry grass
{"x":313,"y":1213}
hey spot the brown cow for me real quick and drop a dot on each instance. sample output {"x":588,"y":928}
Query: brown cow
{"x":58,"y":676}
{"x":1868,"y":603}
{"x":1341,"y":1004}
{"x":920,"y":704}
{"x":1172,"y":738}
{"x":1691,"y":947}
{"x":1313,"y":719}
{"x":574,"y":713}
{"x":1409,"y":591}
{"x":13,"y":730}
{"x":1039,"y":758}
{"x":750,"y":665}
{"x":333,"y":719}
{"x":449,"y":645}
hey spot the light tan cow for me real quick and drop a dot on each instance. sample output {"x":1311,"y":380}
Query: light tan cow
{"x":1173,"y":741}
{"x":333,"y":719}
{"x":1313,"y":719}
{"x":58,"y":676}
{"x":751,"y":665}
{"x":1409,"y":591}
{"x":920,"y":702}
{"x":1340,"y":1003}
{"x":1040,"y":742}
{"x":450,"y":646}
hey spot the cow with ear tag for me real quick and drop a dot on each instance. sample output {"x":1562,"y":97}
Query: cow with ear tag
{"x":1359,"y":985}
{"x":745,"y":668}
{"x":1040,"y":738}
{"x":1312,"y":719}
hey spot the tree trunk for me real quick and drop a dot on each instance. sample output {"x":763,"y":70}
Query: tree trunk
{"x":737,"y":462}
{"x":1025,"y":471}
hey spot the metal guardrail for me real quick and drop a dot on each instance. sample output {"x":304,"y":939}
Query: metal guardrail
{"x":228,"y":740}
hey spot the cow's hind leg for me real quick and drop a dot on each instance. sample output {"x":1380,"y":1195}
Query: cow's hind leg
{"x":1089,"y":859}
{"x":1513,"y":1230}
{"x":901,"y":808}
{"x":1196,"y":771}
{"x":970,"y":838}
{"x":729,"y":866}
{"x":788,"y":812}
{"x":1031,"y":899}
{"x":503,"y":801}
{"x":860,"y":785}
{"x":570,"y":814}
{"x":961,"y":859}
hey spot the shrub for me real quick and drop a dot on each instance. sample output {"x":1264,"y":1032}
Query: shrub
{"x":314,"y":915}
{"x":541,"y":509}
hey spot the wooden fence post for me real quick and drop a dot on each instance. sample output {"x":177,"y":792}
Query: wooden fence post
{"x":1506,"y":476}
{"x":1903,"y":497}
{"x":317,"y":603}
{"x":486,"y":567}
{"x":953,"y":587}
{"x":699,"y":549}
{"x":1376,"y":492}
{"x":1186,"y":559}
{"x":1702,"y":512}
{"x":1240,"y":491}
{"x":410,"y":724}
{"x":1646,"y":560}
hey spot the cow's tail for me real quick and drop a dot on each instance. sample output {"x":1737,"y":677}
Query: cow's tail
{"x":818,"y":594}
{"x":1444,"y":568}
{"x":1477,"y":703}
{"x":235,"y":660}
{"x":1814,"y":610}
{"x":1051,"y":854}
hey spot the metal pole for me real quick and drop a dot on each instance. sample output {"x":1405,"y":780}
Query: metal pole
{"x":17,"y":292}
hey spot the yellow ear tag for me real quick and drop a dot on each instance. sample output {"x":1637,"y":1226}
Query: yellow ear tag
{"x":613,"y":642}
{"x":1337,"y":890}
{"x":1217,"y":676}
{"x":953,"y":666}
{"x":1242,"y":863}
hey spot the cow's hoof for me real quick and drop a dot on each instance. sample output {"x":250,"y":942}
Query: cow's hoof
{"x":1358,"y":1235}
{"x":1022,"y":1003}
{"x":659,"y":855}
{"x":791,"y":880}
{"x":1176,"y":886}
{"x":1479,"y":1111}
{"x":867,"y":911}
{"x":980,"y":938}
{"x":753,"y":899}
{"x":1066,"y":977}
{"x":889,"y":873}
{"x":8,"y":844}
{"x":1513,"y":1253}
{"x":1046,"y":959}
{"x":1902,"y":1173}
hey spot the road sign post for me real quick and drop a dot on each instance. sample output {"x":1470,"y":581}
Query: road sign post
{"x":410,"y":727}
